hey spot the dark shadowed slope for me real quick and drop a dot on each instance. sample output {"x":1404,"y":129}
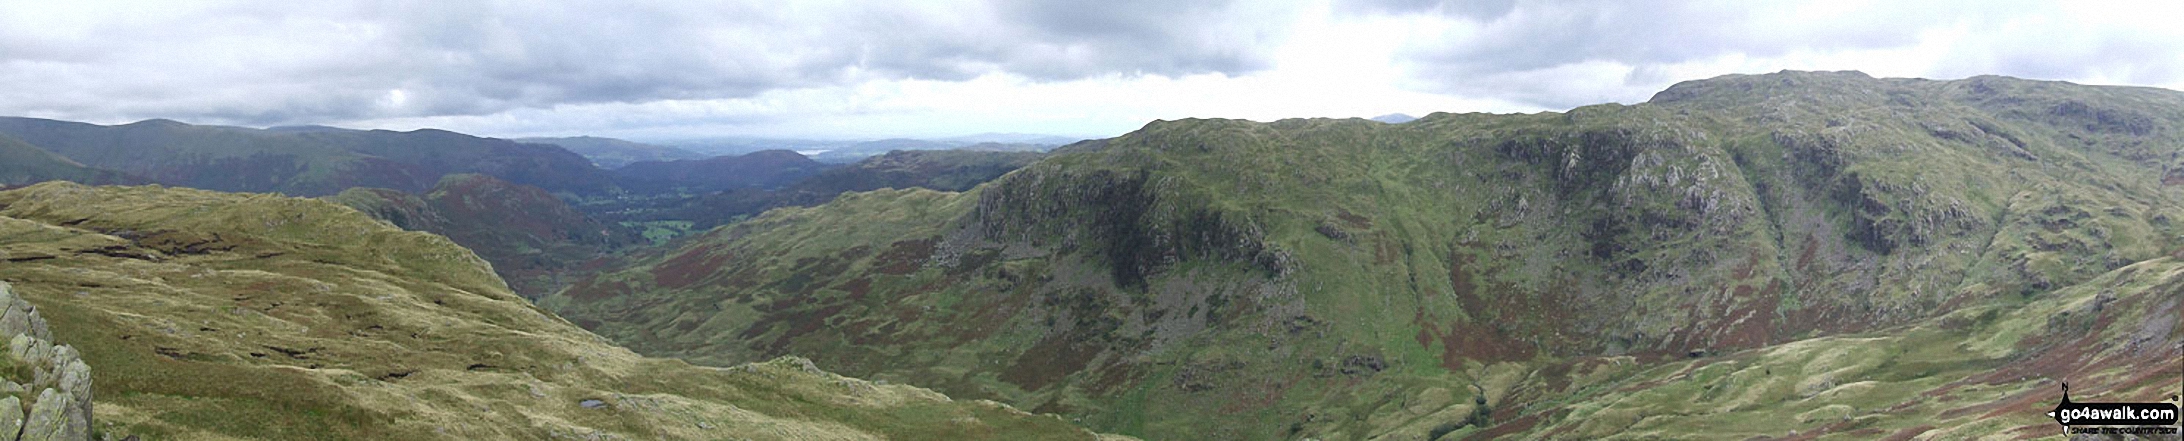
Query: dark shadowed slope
{"x":1742,"y":256}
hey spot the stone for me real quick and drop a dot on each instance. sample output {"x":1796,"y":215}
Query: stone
{"x":11,"y":418}
{"x":47,"y":419}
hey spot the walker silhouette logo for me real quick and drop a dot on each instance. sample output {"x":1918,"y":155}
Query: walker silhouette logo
{"x":2154,"y":418}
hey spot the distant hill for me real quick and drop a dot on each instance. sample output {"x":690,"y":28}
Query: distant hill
{"x":763,"y":169}
{"x":303,"y":160}
{"x":22,"y":163}
{"x":947,"y":170}
{"x":1005,"y":147}
{"x":530,"y":237}
{"x":1394,"y":118}
{"x":843,"y":152}
{"x":1011,"y":138}
{"x":613,"y":153}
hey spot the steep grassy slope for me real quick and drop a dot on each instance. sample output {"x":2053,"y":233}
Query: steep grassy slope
{"x":610,"y":153}
{"x":1446,"y":276}
{"x":219,"y":316}
{"x":303,"y":162}
{"x":532,"y":238}
{"x":22,"y":163}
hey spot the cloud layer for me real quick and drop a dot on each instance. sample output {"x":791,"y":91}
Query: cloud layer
{"x":281,"y":62}
{"x":843,"y":68}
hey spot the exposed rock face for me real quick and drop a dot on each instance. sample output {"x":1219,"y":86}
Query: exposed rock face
{"x":62,"y":382}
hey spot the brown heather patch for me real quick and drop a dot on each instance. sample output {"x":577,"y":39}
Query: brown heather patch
{"x":904,"y":257}
{"x":1051,"y":359}
{"x":857,"y":288}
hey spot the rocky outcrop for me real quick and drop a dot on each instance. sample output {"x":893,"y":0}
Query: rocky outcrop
{"x":52,"y":377}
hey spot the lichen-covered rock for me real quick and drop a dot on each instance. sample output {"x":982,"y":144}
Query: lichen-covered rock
{"x":48,"y":416}
{"x":62,"y":409}
{"x":11,"y":418}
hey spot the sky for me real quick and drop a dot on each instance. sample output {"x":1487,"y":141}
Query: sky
{"x":909,"y":68}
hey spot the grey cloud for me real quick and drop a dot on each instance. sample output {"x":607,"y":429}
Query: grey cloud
{"x":262,"y":63}
{"x":1509,"y":45}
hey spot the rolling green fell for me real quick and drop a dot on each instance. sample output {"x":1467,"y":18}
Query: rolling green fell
{"x":1730,"y":259}
{"x":207,"y":315}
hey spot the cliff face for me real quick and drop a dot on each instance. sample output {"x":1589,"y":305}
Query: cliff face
{"x":1466,"y":274}
{"x":219,"y":316}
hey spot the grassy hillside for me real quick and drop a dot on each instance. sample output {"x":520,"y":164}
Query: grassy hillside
{"x":1458,"y":275}
{"x":303,"y":161}
{"x":22,"y":163}
{"x":208,"y":315}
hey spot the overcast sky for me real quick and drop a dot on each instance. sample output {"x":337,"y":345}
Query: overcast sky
{"x":868,"y":69}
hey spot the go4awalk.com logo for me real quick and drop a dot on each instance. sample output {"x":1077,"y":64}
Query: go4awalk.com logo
{"x":2114,"y":418}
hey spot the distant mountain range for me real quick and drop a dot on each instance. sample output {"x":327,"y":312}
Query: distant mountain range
{"x":764,"y":168}
{"x":306,"y":160}
{"x":842,"y":152}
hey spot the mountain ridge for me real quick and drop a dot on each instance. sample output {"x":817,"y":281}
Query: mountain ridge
{"x":309,"y":162}
{"x":1295,"y":270}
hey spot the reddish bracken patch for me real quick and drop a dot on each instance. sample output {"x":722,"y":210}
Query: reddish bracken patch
{"x":690,"y":267}
{"x":1490,"y":334}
